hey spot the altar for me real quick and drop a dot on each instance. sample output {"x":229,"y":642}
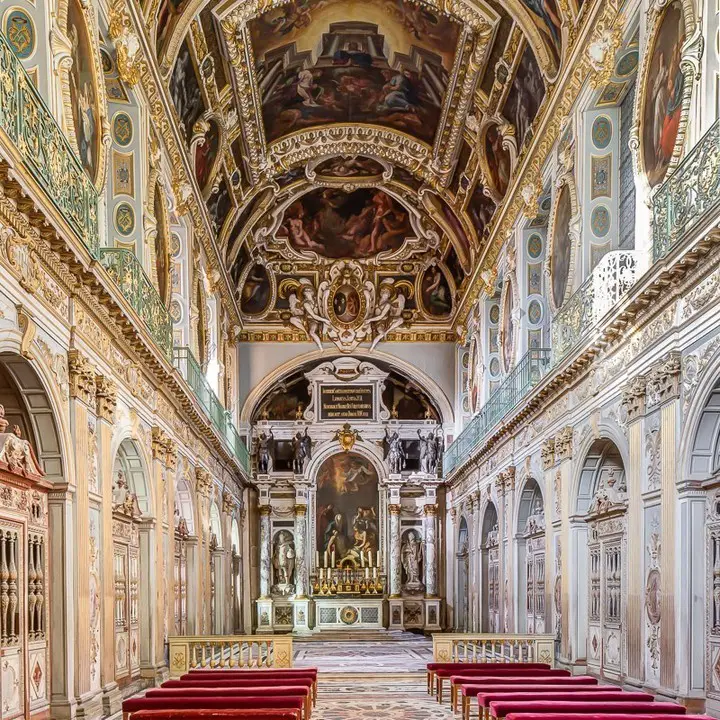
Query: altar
{"x":348,"y":538}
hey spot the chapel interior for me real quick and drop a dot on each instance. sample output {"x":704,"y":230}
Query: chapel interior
{"x":359,"y":360}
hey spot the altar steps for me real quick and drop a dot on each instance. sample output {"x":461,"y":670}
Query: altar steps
{"x":359,"y":636}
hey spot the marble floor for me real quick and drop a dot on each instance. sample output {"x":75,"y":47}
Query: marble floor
{"x":376,"y":697}
{"x":401,"y":654}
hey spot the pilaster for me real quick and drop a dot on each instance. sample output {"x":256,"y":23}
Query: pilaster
{"x":82,"y":417}
{"x":567,"y":601}
{"x":502,"y":532}
{"x":105,"y":404}
{"x":203,"y":486}
{"x":551,"y":518}
{"x":633,"y":403}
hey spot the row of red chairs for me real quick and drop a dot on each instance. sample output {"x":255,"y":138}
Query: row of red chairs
{"x":535,"y":691}
{"x":229,"y":695}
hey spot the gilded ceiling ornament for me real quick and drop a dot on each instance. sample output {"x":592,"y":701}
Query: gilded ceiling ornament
{"x":127,"y":44}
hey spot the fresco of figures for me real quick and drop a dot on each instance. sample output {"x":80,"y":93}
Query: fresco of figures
{"x":347,"y":501}
{"x":347,"y":166}
{"x":337,"y":224}
{"x":391,"y":69}
{"x":663,"y":95}
{"x":546,"y":16}
{"x":84,"y":98}
{"x":525,"y":96}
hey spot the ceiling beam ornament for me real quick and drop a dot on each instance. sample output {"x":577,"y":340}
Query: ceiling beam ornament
{"x":527,"y":184}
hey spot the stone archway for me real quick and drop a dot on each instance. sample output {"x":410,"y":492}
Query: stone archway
{"x":462,"y":623}
{"x":33,"y":527}
{"x":599,"y":540}
{"x":490,"y":570}
{"x":530,"y":544}
{"x":133,"y":560}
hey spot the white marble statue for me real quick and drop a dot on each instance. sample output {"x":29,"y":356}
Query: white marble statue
{"x":412,"y":560}
{"x":284,"y":563}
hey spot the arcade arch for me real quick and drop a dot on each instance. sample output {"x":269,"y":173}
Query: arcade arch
{"x":490,"y":570}
{"x":530,"y":544}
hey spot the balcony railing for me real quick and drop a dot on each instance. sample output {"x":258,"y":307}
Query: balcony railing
{"x":126,"y":271}
{"x":518,"y":383}
{"x":190,"y":369}
{"x":44,"y":149}
{"x":611,"y":279}
{"x":688,"y":195}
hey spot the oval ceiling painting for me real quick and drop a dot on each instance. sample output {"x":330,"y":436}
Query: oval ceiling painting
{"x":561,"y":247}
{"x":255,"y":293}
{"x":664,"y":85}
{"x":337,"y":224}
{"x":435,"y":290}
{"x":84,"y":97}
{"x":390,"y":69}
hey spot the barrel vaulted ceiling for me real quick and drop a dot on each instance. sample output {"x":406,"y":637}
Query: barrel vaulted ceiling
{"x":350,"y":153}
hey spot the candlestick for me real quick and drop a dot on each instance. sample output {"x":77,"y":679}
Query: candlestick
{"x":325,"y":559}
{"x":333,"y":558}
{"x":378,"y":559}
{"x":362,"y":559}
{"x":317,"y":558}
{"x":367,"y":573}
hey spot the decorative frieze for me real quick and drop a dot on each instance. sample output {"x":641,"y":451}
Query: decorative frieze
{"x":564,"y":444}
{"x":548,"y":453}
{"x":663,"y":381}
{"x":82,"y":378}
{"x":633,"y":398}
{"x":105,"y":398}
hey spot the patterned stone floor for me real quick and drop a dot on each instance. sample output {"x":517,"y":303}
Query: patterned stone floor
{"x":376,"y":697}
{"x":397,"y":655}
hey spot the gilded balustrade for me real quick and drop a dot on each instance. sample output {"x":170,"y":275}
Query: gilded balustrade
{"x":44,"y":149}
{"x":606,"y":285}
{"x":127,"y":273}
{"x":228,"y":651}
{"x":688,"y":196}
{"x":490,"y":647}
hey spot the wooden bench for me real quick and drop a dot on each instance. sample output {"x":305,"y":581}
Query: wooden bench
{"x":246,"y":702}
{"x":433,"y":667}
{"x":503,"y":708}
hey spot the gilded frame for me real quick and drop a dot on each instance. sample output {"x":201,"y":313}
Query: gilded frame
{"x":62,"y":51}
{"x":689,"y":65}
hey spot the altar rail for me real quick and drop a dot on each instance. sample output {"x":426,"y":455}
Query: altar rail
{"x":488,"y":647}
{"x":189,"y":652}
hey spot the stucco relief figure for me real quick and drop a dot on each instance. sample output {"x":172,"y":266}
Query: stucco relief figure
{"x":428,"y":453}
{"x":302,"y":451}
{"x":265,"y":452}
{"x":388,"y":313}
{"x":305,"y":314}
{"x":284,"y":563}
{"x":395,"y":456}
{"x":412,"y":559}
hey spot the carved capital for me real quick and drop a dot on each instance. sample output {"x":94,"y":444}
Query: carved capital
{"x":510,"y":479}
{"x":105,"y":398}
{"x":394,"y":509}
{"x":500,"y":484}
{"x":430,"y":510}
{"x":663,"y":381}
{"x":300,"y":509}
{"x":227,"y":502}
{"x":82,"y":378}
{"x":564,"y":444}
{"x":548,"y":453}
{"x":203,"y":481}
{"x":171,"y":455}
{"x":633,"y":398}
{"x":159,"y":444}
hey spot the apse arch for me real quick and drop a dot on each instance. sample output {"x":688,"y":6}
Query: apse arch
{"x":276,"y":376}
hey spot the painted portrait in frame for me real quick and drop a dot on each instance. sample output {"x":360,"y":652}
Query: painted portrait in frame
{"x":84,"y":93}
{"x":663,"y":97}
{"x":347,"y":508}
{"x":561,"y":246}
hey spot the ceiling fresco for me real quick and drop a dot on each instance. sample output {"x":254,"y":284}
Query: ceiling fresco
{"x":353,"y":156}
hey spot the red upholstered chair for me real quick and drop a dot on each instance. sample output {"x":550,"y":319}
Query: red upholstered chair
{"x":217,"y":715}
{"x":605,"y":716}
{"x":247,"y":702}
{"x":501,"y":708}
{"x":603,"y":694}
{"x":460,"y":682}
{"x":433,"y":667}
{"x":518,"y":671}
{"x":265,"y":674}
{"x":214,"y":692}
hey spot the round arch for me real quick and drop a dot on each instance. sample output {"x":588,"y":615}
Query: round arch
{"x":462,"y":555}
{"x":216,"y":524}
{"x":424,"y":380}
{"x":185,"y":504}
{"x":130,"y":461}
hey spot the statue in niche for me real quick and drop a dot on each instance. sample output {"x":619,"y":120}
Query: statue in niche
{"x":124,"y":501}
{"x":265,"y":452}
{"x":284,"y":563}
{"x":395,"y":456}
{"x":302,"y":451}
{"x":428,"y":453}
{"x":412,"y":559}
